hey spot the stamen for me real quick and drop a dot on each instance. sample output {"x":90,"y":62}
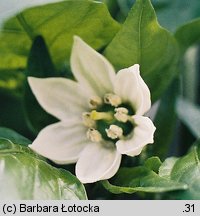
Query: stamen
{"x":114,"y":132}
{"x":94,"y":135}
{"x":95,"y":101}
{"x":121,"y":114}
{"x":112,"y":99}
{"x":101,"y":115}
{"x":87,"y":120}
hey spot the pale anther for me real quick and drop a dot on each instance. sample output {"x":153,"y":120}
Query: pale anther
{"x":121,"y":114}
{"x":87,"y":120}
{"x":114,"y":132}
{"x":95,"y":101}
{"x":94,"y":135}
{"x":112,"y":99}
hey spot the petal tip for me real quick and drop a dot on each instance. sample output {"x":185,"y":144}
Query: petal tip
{"x":82,"y":179}
{"x":30,"y":146}
{"x":33,"y":146}
{"x":32,"y":80}
{"x":77,"y":40}
{"x":135,"y":68}
{"x":87,"y":172}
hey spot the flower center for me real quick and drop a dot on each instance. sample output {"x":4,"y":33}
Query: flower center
{"x":109,"y":119}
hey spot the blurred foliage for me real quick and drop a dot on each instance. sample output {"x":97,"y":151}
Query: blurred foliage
{"x":37,"y":42}
{"x":166,"y":118}
{"x":12,"y":114}
{"x":11,"y":81}
{"x":184,"y":36}
{"x":190,"y":115}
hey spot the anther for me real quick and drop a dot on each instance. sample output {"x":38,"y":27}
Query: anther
{"x":95,"y":101}
{"x":112,"y":99}
{"x":114,"y":132}
{"x":94,"y":135}
{"x":121,"y":114}
{"x":87,"y":120}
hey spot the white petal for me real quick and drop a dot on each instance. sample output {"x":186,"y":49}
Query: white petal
{"x":132,"y":88}
{"x":91,"y":69}
{"x":59,"y":96}
{"x":97,"y":162}
{"x":61,"y":142}
{"x":142,"y":135}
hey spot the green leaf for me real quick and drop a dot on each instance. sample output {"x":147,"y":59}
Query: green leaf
{"x":184,"y":170}
{"x":39,"y":60}
{"x":165,"y":121}
{"x":141,"y":179}
{"x":14,"y":136}
{"x":10,"y":7}
{"x":190,"y":73}
{"x":141,"y":40}
{"x":166,"y":168}
{"x":125,"y":6}
{"x":25,"y":176}
{"x":189,"y":114}
{"x":188,"y":34}
{"x":39,"y":65}
{"x":153,"y":163}
{"x":57,"y":23}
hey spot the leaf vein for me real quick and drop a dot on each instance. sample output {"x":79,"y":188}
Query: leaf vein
{"x":25,"y":26}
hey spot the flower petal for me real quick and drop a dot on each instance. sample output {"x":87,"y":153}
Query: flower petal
{"x":91,"y":69}
{"x":59,"y":96}
{"x":97,"y":162}
{"x":61,"y":142}
{"x":132,"y":88}
{"x":142,"y":135}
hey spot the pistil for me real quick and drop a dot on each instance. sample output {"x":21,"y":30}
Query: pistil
{"x":108,"y":116}
{"x":109,"y":119}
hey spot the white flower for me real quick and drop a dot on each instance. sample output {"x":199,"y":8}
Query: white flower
{"x":100,"y":115}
